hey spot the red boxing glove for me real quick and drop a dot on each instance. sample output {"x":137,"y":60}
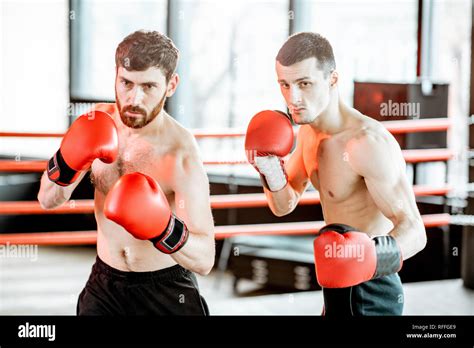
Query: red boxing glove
{"x":346,"y":257}
{"x":92,"y":135}
{"x":137,"y":203}
{"x":269,"y":137}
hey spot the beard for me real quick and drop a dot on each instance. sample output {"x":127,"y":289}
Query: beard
{"x":140,"y":121}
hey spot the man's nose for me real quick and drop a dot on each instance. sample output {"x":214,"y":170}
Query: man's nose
{"x":295,"y":95}
{"x":136,"y":96}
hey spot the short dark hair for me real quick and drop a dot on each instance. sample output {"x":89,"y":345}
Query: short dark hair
{"x":145,"y":49}
{"x":305,"y":45}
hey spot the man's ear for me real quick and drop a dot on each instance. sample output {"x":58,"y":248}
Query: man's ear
{"x":172,"y":84}
{"x":334,"y":78}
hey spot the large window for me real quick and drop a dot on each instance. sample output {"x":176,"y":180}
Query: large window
{"x":34,"y":81}
{"x":451,"y":61}
{"x":228,"y":68}
{"x":97,"y":27}
{"x":372,"y":39}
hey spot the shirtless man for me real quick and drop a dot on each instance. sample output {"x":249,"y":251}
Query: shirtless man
{"x":359,"y":171}
{"x":159,"y":177}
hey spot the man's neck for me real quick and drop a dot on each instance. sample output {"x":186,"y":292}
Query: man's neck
{"x":334,"y":118}
{"x":151,"y":129}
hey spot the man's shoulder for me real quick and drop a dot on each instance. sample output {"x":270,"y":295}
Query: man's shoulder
{"x":183,"y":142}
{"x":182,"y":137}
{"x":370,"y":130}
{"x":370,"y":140}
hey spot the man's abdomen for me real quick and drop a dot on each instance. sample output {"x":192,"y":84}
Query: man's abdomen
{"x":119,"y":249}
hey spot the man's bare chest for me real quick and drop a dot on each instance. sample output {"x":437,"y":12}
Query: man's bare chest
{"x":327,"y":165}
{"x":135,"y":156}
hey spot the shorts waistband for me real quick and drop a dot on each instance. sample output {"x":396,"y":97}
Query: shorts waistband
{"x":169,"y":273}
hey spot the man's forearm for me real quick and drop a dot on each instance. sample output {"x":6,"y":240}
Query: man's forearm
{"x":282,"y":202}
{"x":410,"y":235}
{"x":51,"y":195}
{"x":198,"y":254}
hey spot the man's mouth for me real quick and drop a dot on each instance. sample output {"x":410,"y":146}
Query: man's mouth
{"x":133,"y":114}
{"x":298,"y":109}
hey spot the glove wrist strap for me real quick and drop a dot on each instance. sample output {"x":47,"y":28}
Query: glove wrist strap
{"x":173,"y":238}
{"x":389,"y":257}
{"x":58,"y":170}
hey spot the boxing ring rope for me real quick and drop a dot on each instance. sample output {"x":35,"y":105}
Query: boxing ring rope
{"x":394,"y":127}
{"x":221,"y":232}
{"x":244,"y":200}
{"x":217,"y":201}
{"x":411,"y":156}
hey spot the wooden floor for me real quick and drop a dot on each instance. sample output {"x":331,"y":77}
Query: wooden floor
{"x":50,"y":285}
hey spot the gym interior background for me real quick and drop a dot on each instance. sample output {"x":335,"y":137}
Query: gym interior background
{"x":57,"y":59}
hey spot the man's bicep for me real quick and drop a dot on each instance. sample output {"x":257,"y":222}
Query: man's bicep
{"x":394,"y":199}
{"x":385,"y":178}
{"x":192,"y":200}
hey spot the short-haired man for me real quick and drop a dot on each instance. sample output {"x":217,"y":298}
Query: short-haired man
{"x":357,"y":167}
{"x":152,"y":204}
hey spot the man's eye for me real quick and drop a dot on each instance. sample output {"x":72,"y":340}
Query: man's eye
{"x":305,"y":84}
{"x":148,"y":86}
{"x":125,"y":83}
{"x":284,"y":85}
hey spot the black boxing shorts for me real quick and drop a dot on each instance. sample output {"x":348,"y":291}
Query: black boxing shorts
{"x":169,"y":291}
{"x":380,"y":296}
